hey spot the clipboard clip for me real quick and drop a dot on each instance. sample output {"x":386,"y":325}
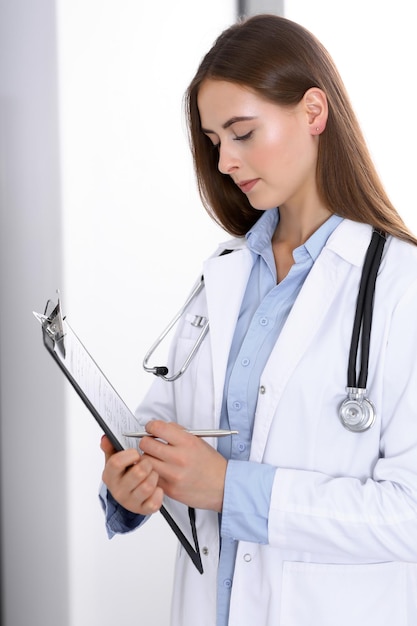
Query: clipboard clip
{"x":53,"y":323}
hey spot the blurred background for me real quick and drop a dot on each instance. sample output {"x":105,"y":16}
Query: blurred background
{"x":98,"y":200}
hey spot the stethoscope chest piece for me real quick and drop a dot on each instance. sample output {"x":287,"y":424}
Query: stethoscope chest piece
{"x":357,"y":413}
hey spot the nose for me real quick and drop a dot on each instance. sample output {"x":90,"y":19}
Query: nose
{"x":228,"y":160}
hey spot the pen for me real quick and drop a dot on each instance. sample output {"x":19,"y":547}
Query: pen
{"x":197,"y":433}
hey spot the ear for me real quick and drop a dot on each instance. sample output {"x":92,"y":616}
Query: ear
{"x":316,"y":107}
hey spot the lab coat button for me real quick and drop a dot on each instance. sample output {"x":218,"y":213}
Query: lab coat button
{"x":247,"y":557}
{"x":262,"y":389}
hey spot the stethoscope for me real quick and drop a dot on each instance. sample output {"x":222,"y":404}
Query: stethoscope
{"x":356,"y":413}
{"x":199,"y":321}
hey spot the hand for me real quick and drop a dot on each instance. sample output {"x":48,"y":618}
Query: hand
{"x":189,"y":469}
{"x":131,"y":479}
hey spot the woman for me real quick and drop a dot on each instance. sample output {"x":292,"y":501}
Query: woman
{"x":300,"y":521}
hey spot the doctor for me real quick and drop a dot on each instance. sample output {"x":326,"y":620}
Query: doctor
{"x":300,"y":521}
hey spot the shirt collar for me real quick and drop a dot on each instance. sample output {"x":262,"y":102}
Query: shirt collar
{"x":260,"y":235}
{"x":317,"y":241}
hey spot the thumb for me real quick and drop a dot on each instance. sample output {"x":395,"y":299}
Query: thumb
{"x":107,"y":447}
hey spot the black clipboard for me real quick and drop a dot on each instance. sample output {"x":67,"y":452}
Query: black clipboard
{"x":100,"y":397}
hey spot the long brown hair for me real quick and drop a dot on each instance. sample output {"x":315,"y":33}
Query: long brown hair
{"x":280,"y":60}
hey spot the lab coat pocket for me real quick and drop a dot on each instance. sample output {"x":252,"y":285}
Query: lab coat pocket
{"x":344,"y":595}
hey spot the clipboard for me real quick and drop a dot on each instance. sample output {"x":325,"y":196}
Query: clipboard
{"x":100,"y":397}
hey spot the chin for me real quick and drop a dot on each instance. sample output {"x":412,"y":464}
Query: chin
{"x":260,"y":206}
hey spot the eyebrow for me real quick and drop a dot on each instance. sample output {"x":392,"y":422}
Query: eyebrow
{"x":233,"y":120}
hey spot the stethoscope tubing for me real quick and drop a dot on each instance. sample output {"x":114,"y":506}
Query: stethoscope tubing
{"x":364,"y":310}
{"x":162,"y":371}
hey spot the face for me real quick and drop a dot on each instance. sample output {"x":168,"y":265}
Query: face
{"x":269,"y":151}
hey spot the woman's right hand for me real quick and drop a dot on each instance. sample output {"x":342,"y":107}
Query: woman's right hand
{"x":131,"y":479}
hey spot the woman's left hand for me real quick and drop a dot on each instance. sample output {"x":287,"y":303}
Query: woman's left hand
{"x":189,"y":469}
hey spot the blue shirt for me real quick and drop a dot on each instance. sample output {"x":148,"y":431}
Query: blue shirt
{"x":264,"y":310}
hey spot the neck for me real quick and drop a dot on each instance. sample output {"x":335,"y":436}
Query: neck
{"x":295,"y":227}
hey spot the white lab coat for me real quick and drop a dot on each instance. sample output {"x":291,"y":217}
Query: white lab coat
{"x":342,"y":547}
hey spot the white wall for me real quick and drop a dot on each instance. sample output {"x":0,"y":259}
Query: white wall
{"x":373,"y":43}
{"x":129,"y":207}
{"x":97,"y":198}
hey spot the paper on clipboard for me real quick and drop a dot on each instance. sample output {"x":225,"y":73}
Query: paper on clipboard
{"x":105,"y":404}
{"x":91,"y":384}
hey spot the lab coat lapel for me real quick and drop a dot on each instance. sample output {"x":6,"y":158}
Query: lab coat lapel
{"x":320,"y":289}
{"x":225,"y":279}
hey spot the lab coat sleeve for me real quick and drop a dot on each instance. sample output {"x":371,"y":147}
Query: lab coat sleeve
{"x":371,"y":519}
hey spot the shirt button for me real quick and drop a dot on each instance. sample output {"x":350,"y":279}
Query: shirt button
{"x":241,"y":446}
{"x":247,"y":557}
{"x":245,"y":362}
{"x":227,"y":583}
{"x":236,"y":405}
{"x":263,"y":321}
{"x":205,"y":551}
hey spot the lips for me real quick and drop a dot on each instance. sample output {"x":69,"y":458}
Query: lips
{"x":247,"y":185}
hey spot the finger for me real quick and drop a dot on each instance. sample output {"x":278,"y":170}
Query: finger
{"x":171,"y":432}
{"x":154,"y":448}
{"x":117,"y":465}
{"x":121,"y":461}
{"x":153,"y":503}
{"x":138,"y":490}
{"x":107,"y":447}
{"x":135,"y":484}
{"x":143,"y":483}
{"x":140,"y":474}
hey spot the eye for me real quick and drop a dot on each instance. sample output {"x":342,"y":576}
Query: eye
{"x":244,"y":137}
